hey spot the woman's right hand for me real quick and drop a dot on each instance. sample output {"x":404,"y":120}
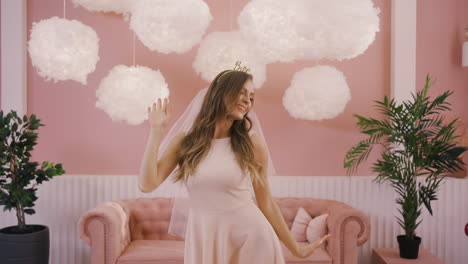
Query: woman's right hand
{"x":159,"y":114}
{"x":305,"y":251}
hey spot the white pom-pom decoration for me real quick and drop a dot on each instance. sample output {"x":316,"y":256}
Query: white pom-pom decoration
{"x":220,"y":51}
{"x":63,"y":49}
{"x":317,"y":93}
{"x":284,"y":31}
{"x":271,"y":26}
{"x":116,"y":6}
{"x":126,"y":93}
{"x":338,"y":30}
{"x":168,"y":25}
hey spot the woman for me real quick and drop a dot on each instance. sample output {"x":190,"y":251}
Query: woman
{"x":218,"y":160}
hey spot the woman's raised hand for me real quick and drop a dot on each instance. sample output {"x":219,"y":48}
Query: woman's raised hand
{"x":305,"y":251}
{"x":159,"y":114}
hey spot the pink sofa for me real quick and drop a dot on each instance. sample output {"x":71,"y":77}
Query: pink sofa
{"x":134,"y":231}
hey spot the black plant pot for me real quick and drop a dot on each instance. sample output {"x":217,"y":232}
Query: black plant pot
{"x":25,"y":248}
{"x":409,"y":249}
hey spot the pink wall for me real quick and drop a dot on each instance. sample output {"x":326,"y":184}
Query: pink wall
{"x":439,"y":52}
{"x":86,"y":141}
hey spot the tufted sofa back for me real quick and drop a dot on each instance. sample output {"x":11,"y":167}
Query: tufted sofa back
{"x":149,"y":217}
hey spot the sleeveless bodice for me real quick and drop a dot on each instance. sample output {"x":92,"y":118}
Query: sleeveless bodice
{"x":218,"y":182}
{"x":224,"y":224}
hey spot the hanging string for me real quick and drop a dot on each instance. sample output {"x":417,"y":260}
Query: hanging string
{"x":64,"y":7}
{"x":133,"y":48}
{"x":230,"y":15}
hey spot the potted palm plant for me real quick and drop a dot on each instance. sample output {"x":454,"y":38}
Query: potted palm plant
{"x":18,"y":180}
{"x":416,"y":142}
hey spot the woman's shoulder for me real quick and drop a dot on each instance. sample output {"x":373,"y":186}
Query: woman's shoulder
{"x":258,"y":143}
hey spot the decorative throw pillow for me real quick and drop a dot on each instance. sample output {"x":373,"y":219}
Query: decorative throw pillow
{"x":304,"y":228}
{"x":317,"y":228}
{"x":299,"y":226}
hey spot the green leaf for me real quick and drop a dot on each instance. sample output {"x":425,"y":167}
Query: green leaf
{"x":29,"y":211}
{"x":18,"y":138}
{"x":415,"y":142}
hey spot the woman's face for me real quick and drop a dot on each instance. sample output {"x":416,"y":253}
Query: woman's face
{"x":244,"y":102}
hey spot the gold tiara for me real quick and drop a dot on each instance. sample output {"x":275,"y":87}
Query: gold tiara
{"x":238,"y":67}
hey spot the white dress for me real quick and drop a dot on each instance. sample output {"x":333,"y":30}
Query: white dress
{"x":224,"y":225}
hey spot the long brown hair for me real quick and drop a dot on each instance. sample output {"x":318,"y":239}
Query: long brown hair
{"x":220,"y":99}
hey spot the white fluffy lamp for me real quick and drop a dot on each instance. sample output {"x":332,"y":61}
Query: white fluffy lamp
{"x":116,"y":6}
{"x":317,"y":93}
{"x":285,"y":31}
{"x":168,"y":25}
{"x":220,"y":50}
{"x":271,"y":26}
{"x":126,"y":92}
{"x":340,"y":29}
{"x":62,"y":49}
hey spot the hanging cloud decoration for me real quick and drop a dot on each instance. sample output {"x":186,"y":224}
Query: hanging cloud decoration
{"x":168,"y":25}
{"x":116,"y":6}
{"x":62,"y":49}
{"x":284,"y":31}
{"x":340,"y":29}
{"x":126,"y":92}
{"x":317,"y":93}
{"x":272,"y":26}
{"x":220,"y":51}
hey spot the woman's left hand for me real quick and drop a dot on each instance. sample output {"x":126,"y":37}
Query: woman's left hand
{"x":305,"y":251}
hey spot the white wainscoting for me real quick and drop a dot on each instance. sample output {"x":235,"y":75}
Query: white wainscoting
{"x":64,"y":199}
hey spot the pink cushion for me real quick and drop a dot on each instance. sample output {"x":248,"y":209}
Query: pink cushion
{"x":153,"y":251}
{"x":317,"y":228}
{"x":305,"y":228}
{"x":300,"y":223}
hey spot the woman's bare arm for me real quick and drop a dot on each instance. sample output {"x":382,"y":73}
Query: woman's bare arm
{"x":154,"y":171}
{"x":271,"y":210}
{"x":147,"y":177}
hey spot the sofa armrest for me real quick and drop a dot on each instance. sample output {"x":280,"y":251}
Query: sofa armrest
{"x":105,"y":228}
{"x":349,"y":228}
